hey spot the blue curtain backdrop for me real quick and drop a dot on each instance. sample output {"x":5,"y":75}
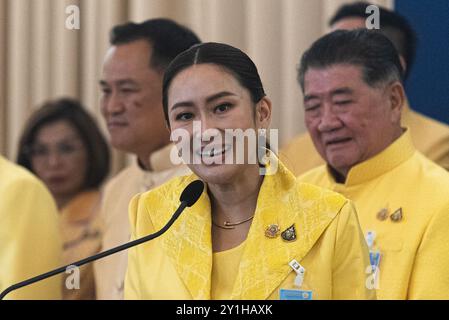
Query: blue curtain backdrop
{"x":428,"y":85}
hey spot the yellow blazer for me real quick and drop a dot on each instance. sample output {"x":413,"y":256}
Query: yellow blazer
{"x":30,"y":241}
{"x":415,"y":248}
{"x":177,"y":265}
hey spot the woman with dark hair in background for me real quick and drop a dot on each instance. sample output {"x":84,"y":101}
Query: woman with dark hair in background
{"x":63,"y":146}
{"x":253,"y":234}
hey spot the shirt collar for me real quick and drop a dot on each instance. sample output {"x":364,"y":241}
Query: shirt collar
{"x":160,"y":160}
{"x":395,"y":154}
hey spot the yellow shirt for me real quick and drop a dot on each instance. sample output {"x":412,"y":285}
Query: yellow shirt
{"x":81,"y":238}
{"x":30,"y":242}
{"x":429,"y":136}
{"x":415,"y":250}
{"x":110,"y":271}
{"x":225,"y":266}
{"x":178,"y":265}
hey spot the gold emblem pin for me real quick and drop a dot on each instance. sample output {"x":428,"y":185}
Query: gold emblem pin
{"x":289,"y":234}
{"x":382,"y":214}
{"x":397,"y":215}
{"x":272,"y":231}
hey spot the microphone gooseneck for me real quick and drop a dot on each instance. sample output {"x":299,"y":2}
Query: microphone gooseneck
{"x":188,"y":198}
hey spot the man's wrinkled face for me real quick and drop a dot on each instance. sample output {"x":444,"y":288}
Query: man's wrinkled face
{"x":348,"y":121}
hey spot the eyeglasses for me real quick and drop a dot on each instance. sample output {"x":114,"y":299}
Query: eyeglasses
{"x":62,"y":149}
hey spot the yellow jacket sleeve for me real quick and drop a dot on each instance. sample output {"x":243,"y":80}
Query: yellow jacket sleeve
{"x":30,"y":241}
{"x":430,"y":276}
{"x":351,"y":260}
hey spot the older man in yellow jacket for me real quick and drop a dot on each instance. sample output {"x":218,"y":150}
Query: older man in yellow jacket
{"x":30,"y":242}
{"x":429,"y":136}
{"x":353,"y":97}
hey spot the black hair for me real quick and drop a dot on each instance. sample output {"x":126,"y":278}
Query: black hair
{"x":394,"y":26}
{"x":233,"y":60}
{"x":365,"y":48}
{"x":70,"y":110}
{"x":166,"y":37}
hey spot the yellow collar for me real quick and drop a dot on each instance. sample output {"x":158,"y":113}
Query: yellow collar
{"x":82,"y":207}
{"x":264,"y":262}
{"x":395,"y":154}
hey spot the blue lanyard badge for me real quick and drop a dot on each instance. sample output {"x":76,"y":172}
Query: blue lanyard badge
{"x":374,"y":258}
{"x":374,"y":254}
{"x":296,"y":294}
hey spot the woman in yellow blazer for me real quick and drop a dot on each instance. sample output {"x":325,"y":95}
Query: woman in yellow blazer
{"x":256,"y":233}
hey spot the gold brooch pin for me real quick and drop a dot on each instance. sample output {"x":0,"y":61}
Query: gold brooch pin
{"x":382,"y":214}
{"x":397,"y":215}
{"x":289,"y":234}
{"x":272,"y":231}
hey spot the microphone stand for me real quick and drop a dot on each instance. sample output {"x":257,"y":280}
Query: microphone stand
{"x":106,"y":253}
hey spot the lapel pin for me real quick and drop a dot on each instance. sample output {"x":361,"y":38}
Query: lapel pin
{"x":397,"y":215}
{"x":382,"y":214}
{"x":289,"y":234}
{"x":272,"y":231}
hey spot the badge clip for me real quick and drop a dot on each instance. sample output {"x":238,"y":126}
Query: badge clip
{"x":300,"y":272}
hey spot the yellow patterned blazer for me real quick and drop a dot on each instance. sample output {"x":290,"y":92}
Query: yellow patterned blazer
{"x":178,"y":265}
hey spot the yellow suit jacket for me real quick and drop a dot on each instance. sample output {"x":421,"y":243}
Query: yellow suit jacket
{"x":429,"y":136}
{"x":415,"y":248}
{"x":177,"y":265}
{"x":30,"y":241}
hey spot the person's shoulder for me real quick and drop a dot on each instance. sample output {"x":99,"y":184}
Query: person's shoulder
{"x":170,"y":190}
{"x":313,"y":196}
{"x":319,"y":196}
{"x":300,"y":139}
{"x":13,"y":175}
{"x":157,"y":202}
{"x":424,"y":123}
{"x":313,"y":176}
{"x":167,"y":194}
{"x":23,"y":190}
{"x":123,"y":177}
{"x":298,"y":143}
{"x":300,"y":155}
{"x":431,"y":172}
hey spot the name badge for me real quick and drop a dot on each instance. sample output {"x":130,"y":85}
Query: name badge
{"x":294,"y":294}
{"x":374,"y":258}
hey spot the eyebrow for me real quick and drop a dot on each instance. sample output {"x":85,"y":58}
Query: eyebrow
{"x":344,"y":90}
{"x":208,"y":99}
{"x":119,"y":82}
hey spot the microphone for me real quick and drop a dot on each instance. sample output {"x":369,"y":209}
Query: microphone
{"x":188,"y":198}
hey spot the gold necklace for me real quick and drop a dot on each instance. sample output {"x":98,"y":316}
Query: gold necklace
{"x":231,"y":225}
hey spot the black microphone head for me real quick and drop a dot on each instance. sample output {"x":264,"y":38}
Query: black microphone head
{"x":192,"y":192}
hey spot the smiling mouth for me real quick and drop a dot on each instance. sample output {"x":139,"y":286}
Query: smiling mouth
{"x":213,"y":152}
